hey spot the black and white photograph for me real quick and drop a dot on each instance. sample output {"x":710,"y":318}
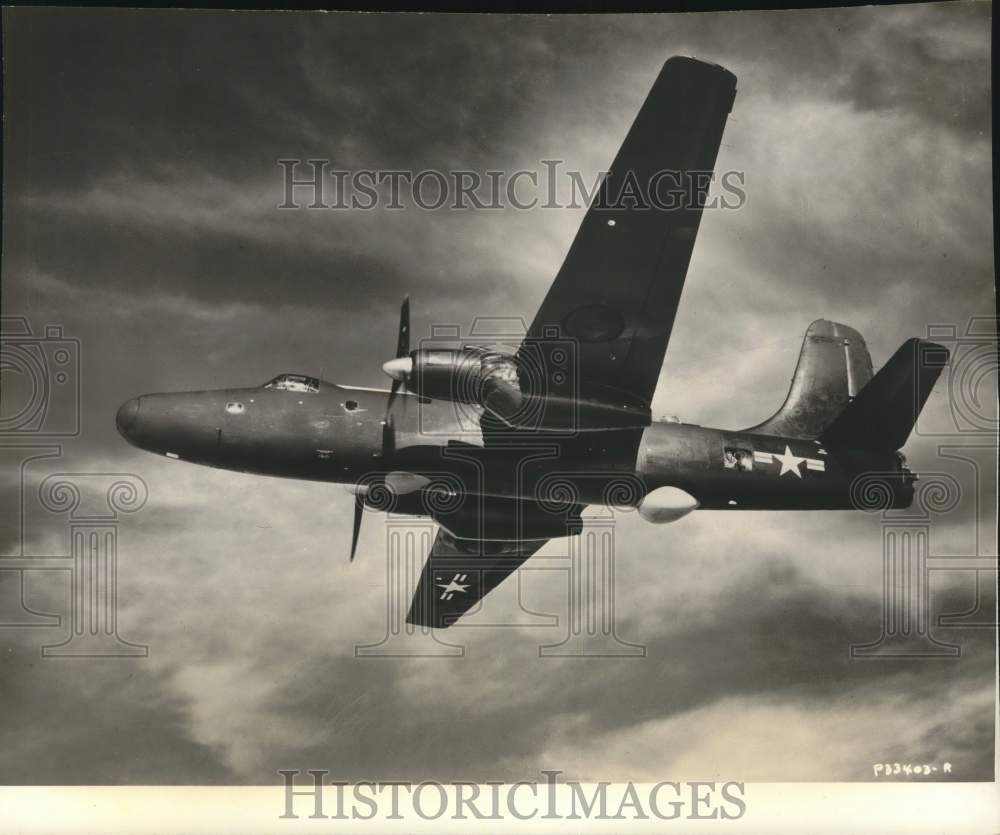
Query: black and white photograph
{"x":473,"y":421}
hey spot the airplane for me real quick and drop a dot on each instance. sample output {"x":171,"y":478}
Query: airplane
{"x":564,"y":421}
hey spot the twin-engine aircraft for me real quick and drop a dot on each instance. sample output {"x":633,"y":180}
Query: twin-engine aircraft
{"x":564,"y":421}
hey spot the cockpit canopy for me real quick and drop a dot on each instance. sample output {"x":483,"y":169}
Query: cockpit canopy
{"x":294,"y":382}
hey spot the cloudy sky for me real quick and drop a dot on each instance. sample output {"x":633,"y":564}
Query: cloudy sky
{"x":141,"y":187}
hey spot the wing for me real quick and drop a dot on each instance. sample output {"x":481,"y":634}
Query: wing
{"x":459,"y":573}
{"x":477,"y":548}
{"x":615,"y":297}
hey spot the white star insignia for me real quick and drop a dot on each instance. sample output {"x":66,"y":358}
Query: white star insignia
{"x":789,"y":463}
{"x":448,"y":589}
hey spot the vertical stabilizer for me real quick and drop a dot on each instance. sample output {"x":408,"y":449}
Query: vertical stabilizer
{"x":833,"y":367}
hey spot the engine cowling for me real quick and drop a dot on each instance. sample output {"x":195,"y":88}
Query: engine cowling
{"x":470,"y":375}
{"x":493,"y":380}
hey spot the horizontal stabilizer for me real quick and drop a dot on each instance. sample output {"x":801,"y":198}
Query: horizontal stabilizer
{"x":885,"y":411}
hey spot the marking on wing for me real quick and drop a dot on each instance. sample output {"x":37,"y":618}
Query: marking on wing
{"x":456,"y":584}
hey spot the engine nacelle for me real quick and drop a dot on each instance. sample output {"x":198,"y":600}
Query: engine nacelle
{"x":666,"y":504}
{"x":471,"y":375}
{"x":492,"y":380}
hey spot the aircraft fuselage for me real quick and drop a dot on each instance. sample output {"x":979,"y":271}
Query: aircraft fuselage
{"x":338,"y":434}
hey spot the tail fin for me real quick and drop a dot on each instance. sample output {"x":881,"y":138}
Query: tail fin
{"x":833,"y":367}
{"x":885,"y":411}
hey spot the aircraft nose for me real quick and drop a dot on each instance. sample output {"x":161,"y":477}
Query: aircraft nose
{"x":126,"y":416}
{"x":185,"y":424}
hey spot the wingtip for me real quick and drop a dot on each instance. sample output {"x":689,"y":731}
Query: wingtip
{"x":420,"y":617}
{"x":680,"y":60}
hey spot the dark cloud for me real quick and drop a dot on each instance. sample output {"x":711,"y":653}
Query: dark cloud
{"x":153,"y":91}
{"x":767,"y":637}
{"x":87,"y":721}
{"x":97,"y":91}
{"x":932,"y":50}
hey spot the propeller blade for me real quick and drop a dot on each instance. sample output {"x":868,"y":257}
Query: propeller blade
{"x":359,"y":511}
{"x":403,"y":343}
{"x":402,"y":350}
{"x":392,"y":395}
{"x":388,"y":439}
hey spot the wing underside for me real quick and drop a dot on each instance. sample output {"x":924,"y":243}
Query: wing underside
{"x":459,"y":573}
{"x":479,"y":547}
{"x":617,"y":292}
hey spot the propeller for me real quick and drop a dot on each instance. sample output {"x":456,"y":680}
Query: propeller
{"x":388,"y":438}
{"x":361,"y":490}
{"x":401,"y":365}
{"x":396,"y":368}
{"x":359,"y":511}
